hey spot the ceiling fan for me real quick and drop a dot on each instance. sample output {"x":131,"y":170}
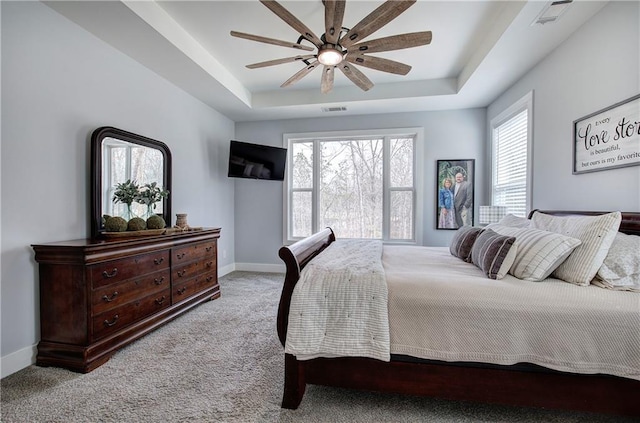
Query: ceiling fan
{"x":341,"y":47}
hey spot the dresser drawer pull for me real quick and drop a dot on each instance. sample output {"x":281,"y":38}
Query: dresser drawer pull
{"x":109,"y":299}
{"x":158,"y":281}
{"x":209,"y":278}
{"x":158,"y":261}
{"x":209,"y":264}
{"x":159,"y":301}
{"x":180,"y":256}
{"x":182,"y":272}
{"x":108,"y":275}
{"x":182,"y":290}
{"x":113,"y":322}
{"x":209,"y":248}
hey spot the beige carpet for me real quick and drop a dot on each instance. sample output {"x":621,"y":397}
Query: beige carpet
{"x":222,"y":362}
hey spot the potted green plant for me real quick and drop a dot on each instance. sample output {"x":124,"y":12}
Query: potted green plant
{"x":126,"y":193}
{"x":149,"y":195}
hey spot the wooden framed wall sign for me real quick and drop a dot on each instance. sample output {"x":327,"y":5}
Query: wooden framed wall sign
{"x":608,"y":138}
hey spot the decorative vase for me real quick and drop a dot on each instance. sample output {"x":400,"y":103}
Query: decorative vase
{"x":128,"y":214}
{"x":150,"y":212}
{"x":181,"y":220}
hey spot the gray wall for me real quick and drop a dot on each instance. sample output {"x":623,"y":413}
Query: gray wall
{"x":59,"y":83}
{"x":598,"y":66}
{"x":458,"y":134}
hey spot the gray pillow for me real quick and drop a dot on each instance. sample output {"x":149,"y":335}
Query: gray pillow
{"x":462,"y":242}
{"x":493,"y":253}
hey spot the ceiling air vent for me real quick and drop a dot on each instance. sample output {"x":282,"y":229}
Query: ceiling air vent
{"x":334,"y":109}
{"x":552,"y":12}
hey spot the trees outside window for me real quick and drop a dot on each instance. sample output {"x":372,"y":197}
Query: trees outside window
{"x":360,"y":186}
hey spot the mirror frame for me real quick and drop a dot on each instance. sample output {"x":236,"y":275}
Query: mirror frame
{"x":96,"y":171}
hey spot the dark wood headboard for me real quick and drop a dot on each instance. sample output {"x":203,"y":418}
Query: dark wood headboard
{"x":630,"y":220}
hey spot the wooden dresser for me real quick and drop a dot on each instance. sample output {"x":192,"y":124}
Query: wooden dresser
{"x":97,"y":296}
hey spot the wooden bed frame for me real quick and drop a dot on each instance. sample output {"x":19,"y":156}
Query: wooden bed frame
{"x":521,"y":385}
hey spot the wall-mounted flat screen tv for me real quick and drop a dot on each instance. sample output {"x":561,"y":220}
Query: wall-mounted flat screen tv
{"x":255,"y":161}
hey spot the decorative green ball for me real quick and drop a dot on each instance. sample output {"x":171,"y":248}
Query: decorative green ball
{"x":114,"y":224}
{"x":137,"y":224}
{"x":155,"y":222}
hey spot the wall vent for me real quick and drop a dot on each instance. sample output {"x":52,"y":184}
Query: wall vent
{"x":334,"y":109}
{"x":552,"y":12}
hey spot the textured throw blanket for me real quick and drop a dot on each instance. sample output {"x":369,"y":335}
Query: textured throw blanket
{"x":339,"y":305}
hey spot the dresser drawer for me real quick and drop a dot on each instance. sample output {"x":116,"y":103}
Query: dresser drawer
{"x":182,"y":290}
{"x":193,"y":252}
{"x":206,"y":280}
{"x":193,"y":269}
{"x":116,"y":319}
{"x":119,"y":270}
{"x":117,"y":294}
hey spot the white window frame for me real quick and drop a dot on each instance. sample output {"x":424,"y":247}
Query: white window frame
{"x":370,"y":133}
{"x":524,"y":103}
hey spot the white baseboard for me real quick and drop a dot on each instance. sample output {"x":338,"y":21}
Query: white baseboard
{"x":226,"y":269}
{"x":18,"y":360}
{"x":257,"y":267}
{"x":25,"y":357}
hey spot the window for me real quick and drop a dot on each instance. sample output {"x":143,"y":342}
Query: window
{"x":361,"y":184}
{"x":123,"y":161}
{"x":511,"y":158}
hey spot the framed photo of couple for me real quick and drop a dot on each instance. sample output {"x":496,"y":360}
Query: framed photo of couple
{"x":454,"y":193}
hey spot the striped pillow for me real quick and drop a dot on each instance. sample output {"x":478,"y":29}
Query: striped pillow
{"x":463,"y":241}
{"x":596,"y":233}
{"x":538,"y":252}
{"x":493,"y":253}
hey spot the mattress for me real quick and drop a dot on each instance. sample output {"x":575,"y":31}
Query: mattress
{"x":442,"y":308}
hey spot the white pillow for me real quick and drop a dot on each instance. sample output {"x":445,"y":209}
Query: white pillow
{"x":515,"y":221}
{"x":621,"y":268}
{"x":595,"y":232}
{"x":538,"y":252}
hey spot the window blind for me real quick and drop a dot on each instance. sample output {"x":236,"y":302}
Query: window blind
{"x":510,"y":164}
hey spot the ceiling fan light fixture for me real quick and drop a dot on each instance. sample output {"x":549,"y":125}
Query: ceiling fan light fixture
{"x":333,"y":45}
{"x":330,"y":56}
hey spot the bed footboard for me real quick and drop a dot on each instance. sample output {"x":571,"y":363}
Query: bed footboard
{"x":295,"y":257}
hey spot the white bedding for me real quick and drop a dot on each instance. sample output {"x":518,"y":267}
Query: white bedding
{"x":445,"y":309}
{"x":339,"y":305}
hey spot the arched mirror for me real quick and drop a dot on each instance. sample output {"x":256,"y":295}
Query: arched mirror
{"x":119,"y":156}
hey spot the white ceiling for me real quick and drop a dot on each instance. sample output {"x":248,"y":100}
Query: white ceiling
{"x":479,"y":49}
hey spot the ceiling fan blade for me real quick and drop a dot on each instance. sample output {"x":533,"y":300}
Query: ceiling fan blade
{"x":356,"y":76}
{"x":333,"y":14}
{"x":326,"y":84}
{"x":292,"y":21}
{"x":378,"y":63}
{"x":270,"y":41}
{"x":384,"y":14}
{"x":300,"y":74}
{"x":394,"y":42}
{"x":280,"y":61}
